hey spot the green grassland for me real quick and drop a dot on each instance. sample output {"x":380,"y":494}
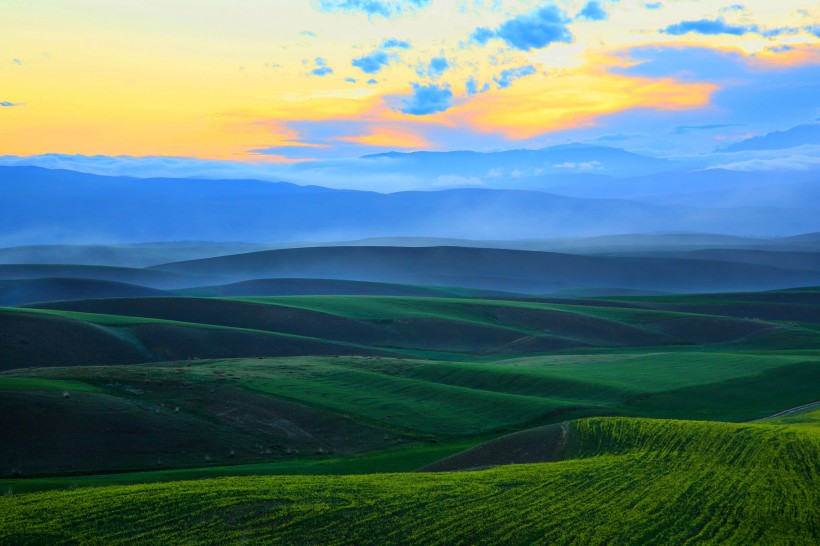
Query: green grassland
{"x":623,"y":480}
{"x":326,"y":407}
{"x":299,"y":419}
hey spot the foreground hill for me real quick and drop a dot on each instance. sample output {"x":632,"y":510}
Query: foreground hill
{"x":621,"y":480}
{"x":496,"y":269}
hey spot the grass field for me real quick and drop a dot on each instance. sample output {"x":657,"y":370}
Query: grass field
{"x":275,"y":409}
{"x":652,"y":481}
{"x":299,"y":419}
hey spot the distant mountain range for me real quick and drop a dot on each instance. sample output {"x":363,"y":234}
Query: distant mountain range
{"x":556,"y":160}
{"x":801,"y":135}
{"x":44,"y":206}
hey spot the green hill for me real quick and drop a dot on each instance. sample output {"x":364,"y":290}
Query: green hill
{"x":623,"y":480}
{"x":278,"y":409}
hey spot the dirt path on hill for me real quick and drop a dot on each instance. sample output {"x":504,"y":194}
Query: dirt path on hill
{"x":788,"y":411}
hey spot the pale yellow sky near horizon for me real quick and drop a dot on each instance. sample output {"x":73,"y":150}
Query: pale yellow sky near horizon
{"x":218,"y":79}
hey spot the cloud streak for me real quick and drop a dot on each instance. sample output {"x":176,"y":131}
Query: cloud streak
{"x":714,"y":27}
{"x":381,"y":8}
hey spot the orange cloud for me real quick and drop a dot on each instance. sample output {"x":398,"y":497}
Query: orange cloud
{"x":795,"y":55}
{"x":392,"y":137}
{"x":540,"y":105}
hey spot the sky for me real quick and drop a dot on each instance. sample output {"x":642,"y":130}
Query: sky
{"x":286,"y":81}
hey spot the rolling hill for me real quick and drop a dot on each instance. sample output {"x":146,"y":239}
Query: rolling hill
{"x":26,"y":291}
{"x":161,"y":280}
{"x":403,"y":371}
{"x":652,"y":481}
{"x":328,"y":287}
{"x":495,"y":269}
{"x":131,"y":256}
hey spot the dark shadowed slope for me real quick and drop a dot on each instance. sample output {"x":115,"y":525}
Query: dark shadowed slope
{"x":329,"y":287}
{"x":795,"y":305}
{"x":497,"y":269}
{"x":783,"y":257}
{"x":28,"y":339}
{"x":25,"y":291}
{"x":31,"y":337}
{"x":537,"y":445}
{"x":147,"y":418}
{"x":134,"y":255}
{"x":809,"y":261}
{"x":414,"y":324}
{"x":143,"y":277}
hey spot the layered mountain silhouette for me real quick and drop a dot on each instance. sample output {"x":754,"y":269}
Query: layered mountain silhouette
{"x":51,"y":206}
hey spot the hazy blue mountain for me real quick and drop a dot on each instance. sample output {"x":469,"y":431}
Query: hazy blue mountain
{"x":783,"y":195}
{"x":706,"y":188}
{"x":563,"y":159}
{"x":779,"y":140}
{"x":43,"y":206}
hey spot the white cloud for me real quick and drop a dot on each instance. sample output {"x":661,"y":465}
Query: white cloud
{"x":583,"y":166}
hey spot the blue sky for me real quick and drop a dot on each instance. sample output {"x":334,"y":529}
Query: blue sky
{"x":267,"y":82}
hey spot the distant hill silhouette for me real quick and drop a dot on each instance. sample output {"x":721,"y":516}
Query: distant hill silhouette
{"x":26,"y":291}
{"x":796,"y":136}
{"x":496,"y":269}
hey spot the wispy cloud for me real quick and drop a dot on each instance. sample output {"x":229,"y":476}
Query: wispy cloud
{"x":393,"y":43}
{"x":509,"y":75}
{"x":712,"y":27}
{"x":534,"y":30}
{"x":683,"y":129}
{"x":382,"y":8}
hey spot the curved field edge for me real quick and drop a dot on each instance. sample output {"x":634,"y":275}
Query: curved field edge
{"x":631,"y":480}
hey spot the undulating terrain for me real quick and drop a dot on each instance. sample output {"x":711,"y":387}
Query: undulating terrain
{"x":338,"y":394}
{"x":414,"y":272}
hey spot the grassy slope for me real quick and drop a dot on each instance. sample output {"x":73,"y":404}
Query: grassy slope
{"x":425,"y":325}
{"x":645,"y":481}
{"x":425,"y":395}
{"x":404,"y":459}
{"x":348,"y":405}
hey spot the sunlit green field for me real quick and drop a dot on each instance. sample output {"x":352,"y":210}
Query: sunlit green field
{"x":627,"y":480}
